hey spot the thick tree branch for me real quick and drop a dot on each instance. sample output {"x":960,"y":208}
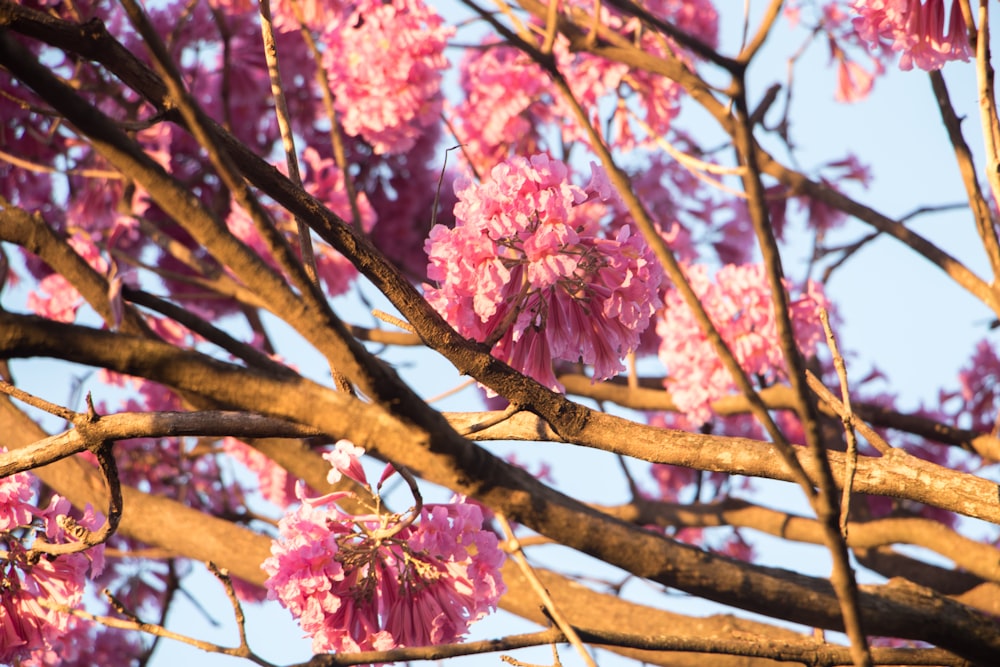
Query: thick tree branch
{"x":977,"y":558}
{"x":895,"y":474}
{"x":447,"y":459}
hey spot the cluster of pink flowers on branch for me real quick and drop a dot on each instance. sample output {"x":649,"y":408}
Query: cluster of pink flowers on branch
{"x":384,"y":62}
{"x":30,"y":630}
{"x":738,"y":301}
{"x":529,"y":269}
{"x":378,"y":580}
{"x":510,"y":105}
{"x":915,"y":29}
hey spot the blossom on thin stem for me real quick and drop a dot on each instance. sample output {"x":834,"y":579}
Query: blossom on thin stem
{"x":528,"y":268}
{"x":359,"y":582}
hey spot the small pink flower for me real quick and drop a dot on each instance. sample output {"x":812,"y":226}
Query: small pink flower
{"x":854,"y":82}
{"x":345,"y":459}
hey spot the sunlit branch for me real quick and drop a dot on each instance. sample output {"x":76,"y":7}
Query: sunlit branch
{"x":125,"y":425}
{"x":446,"y":459}
{"x":159,"y":631}
{"x":987,"y":102}
{"x":895,"y":474}
{"x":197,"y":123}
{"x":797,"y":651}
{"x":977,"y":558}
{"x":287,"y":140}
{"x":763,"y":31}
{"x":552,"y":609}
{"x":963,"y":156}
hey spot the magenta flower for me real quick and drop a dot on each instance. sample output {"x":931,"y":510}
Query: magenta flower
{"x":27,"y":628}
{"x":915,"y":29}
{"x":739,"y":304}
{"x":379,"y":581}
{"x":527,"y":268}
{"x":384,"y":62}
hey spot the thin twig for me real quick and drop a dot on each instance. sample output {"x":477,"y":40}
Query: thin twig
{"x":134,"y":623}
{"x":59,"y":411}
{"x":287,"y":139}
{"x":393,"y":320}
{"x":451,"y":392}
{"x":503,"y":416}
{"x":827,"y":397}
{"x":223,"y":575}
{"x":552,"y":609}
{"x":85,"y":538}
{"x":336,"y":137}
{"x":847,"y":417}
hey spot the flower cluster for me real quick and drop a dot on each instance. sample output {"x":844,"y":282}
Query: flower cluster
{"x":510,"y":105}
{"x":378,"y":581}
{"x":739,"y":304}
{"x":914,"y":28}
{"x":527,"y":269}
{"x":29,"y":629}
{"x":384,"y":61}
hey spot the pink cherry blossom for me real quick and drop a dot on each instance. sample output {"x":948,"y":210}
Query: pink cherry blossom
{"x":915,"y":29}
{"x":698,"y":18}
{"x":16,"y":492}
{"x":375,"y":582}
{"x":739,"y":304}
{"x":527,"y":267}
{"x":384,"y":62}
{"x":847,"y":47}
{"x":88,"y":644}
